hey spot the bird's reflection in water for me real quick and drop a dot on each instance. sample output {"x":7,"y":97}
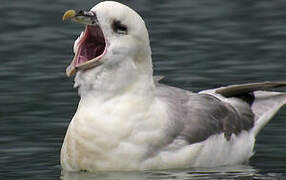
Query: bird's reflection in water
{"x":244,"y":172}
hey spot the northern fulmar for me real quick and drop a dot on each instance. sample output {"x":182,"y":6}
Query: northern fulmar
{"x":127,"y":120}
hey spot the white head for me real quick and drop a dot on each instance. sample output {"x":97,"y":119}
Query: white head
{"x":113,"y":53}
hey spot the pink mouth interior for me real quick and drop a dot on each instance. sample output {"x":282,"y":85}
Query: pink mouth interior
{"x":91,"y":45}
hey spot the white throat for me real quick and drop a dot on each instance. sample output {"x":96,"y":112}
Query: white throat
{"x":126,"y":77}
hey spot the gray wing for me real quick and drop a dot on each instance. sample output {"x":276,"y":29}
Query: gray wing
{"x":208,"y":115}
{"x":195,"y":117}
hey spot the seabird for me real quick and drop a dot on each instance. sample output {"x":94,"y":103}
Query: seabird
{"x":127,"y":120}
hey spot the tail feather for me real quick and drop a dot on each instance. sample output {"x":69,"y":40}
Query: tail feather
{"x":234,"y":90}
{"x":265,"y":106}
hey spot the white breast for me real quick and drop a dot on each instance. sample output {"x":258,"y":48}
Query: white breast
{"x":108,"y":136}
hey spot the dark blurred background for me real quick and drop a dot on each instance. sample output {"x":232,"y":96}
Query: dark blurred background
{"x":197,"y":44}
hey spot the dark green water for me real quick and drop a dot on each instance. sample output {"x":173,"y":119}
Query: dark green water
{"x":196,"y":45}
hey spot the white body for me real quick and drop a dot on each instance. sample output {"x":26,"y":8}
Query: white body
{"x":116,"y":136}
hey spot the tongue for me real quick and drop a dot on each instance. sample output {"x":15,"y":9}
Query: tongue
{"x":90,"y":51}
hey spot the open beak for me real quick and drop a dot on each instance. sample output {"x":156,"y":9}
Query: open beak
{"x":91,"y":46}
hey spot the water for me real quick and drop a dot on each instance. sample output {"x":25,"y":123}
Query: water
{"x":196,"y":45}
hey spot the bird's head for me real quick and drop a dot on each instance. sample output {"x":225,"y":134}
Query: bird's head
{"x":113,"y":33}
{"x":115,"y":43}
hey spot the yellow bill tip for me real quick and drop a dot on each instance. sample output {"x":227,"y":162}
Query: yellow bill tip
{"x":69,"y":14}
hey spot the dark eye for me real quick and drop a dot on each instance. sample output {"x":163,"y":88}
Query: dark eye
{"x":119,"y":28}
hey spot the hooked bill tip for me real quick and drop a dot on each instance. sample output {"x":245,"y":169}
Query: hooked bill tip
{"x":69,"y":14}
{"x":71,"y":70}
